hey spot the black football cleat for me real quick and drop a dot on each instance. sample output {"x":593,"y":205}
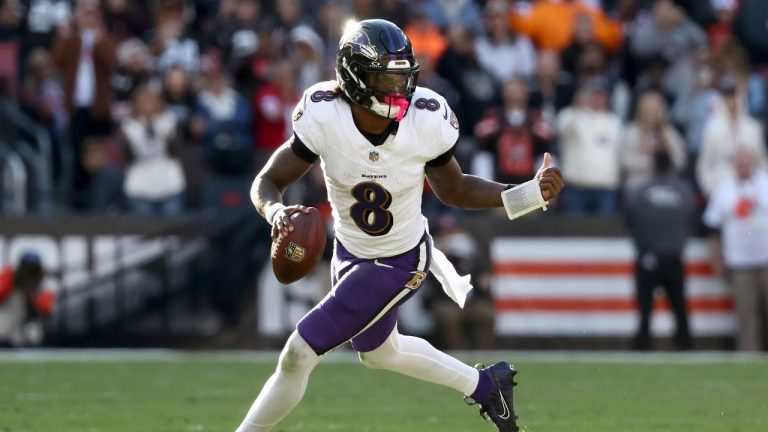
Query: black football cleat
{"x":499,"y":407}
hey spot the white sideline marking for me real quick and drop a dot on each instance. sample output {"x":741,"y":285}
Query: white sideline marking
{"x":347,"y":356}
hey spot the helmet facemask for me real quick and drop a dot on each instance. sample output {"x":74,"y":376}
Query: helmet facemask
{"x":384,"y":91}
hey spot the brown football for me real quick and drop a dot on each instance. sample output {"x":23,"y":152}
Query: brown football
{"x":296,"y":253}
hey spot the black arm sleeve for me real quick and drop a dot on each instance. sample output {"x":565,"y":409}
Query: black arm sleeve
{"x":443,"y":158}
{"x":301,"y":150}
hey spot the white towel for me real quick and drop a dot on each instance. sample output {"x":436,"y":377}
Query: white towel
{"x":455,"y":286}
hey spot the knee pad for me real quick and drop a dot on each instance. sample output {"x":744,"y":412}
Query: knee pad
{"x":297,"y":355}
{"x":383,"y":356}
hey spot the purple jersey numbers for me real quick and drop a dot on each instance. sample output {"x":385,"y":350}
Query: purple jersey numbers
{"x":370,"y":211}
{"x":320,"y":96}
{"x":428,"y":104}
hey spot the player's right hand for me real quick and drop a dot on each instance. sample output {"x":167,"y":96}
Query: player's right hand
{"x":282,"y":221}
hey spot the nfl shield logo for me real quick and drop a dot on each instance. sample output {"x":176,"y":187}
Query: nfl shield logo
{"x":373,"y":156}
{"x":295,"y":252}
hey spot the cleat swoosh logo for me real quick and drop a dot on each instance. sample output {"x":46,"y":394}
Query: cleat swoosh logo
{"x":504,"y":415}
{"x":376,"y":262}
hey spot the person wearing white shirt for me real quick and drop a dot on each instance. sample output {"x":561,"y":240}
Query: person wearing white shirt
{"x":590,"y":144}
{"x":154,"y":180}
{"x":729,"y":128}
{"x":502,"y":53}
{"x":737,"y":213}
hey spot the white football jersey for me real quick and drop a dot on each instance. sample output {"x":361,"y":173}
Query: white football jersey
{"x":375,"y":191}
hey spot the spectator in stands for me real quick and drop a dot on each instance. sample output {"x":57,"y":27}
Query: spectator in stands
{"x":443,"y":13}
{"x":105,"y":193}
{"x":222,"y":123}
{"x":551,"y":89}
{"x":42,"y":97}
{"x":749,"y":27}
{"x":649,"y":134}
{"x":24,"y":303}
{"x":750,"y":87}
{"x":591,"y":64}
{"x":737,"y":213}
{"x":668,"y":33}
{"x":289,"y":14}
{"x":11,"y":19}
{"x":426,"y":38}
{"x":179,"y":99}
{"x":134,"y":68}
{"x":226,"y":24}
{"x":154,"y":180}
{"x":721,"y":30}
{"x":395,"y":11}
{"x":511,"y":139}
{"x":477,"y":88}
{"x":364,"y":9}
{"x":236,"y":36}
{"x":126,"y":19}
{"x":653,"y":79}
{"x":307,"y":57}
{"x":692,"y":110}
{"x":272,"y":106}
{"x":628,"y":13}
{"x":590,"y":145}
{"x":583,"y":36}
{"x":42,"y":18}
{"x":330,"y":24}
{"x":659,"y":212}
{"x":726,"y":130}
{"x":550,"y":24}
{"x":471,"y":327}
{"x":500,"y":51}
{"x":85,"y":56}
{"x":170,"y":41}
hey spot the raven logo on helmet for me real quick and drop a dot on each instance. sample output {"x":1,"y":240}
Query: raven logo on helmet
{"x":376,"y":67}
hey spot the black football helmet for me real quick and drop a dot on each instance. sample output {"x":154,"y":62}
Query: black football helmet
{"x":376,"y":68}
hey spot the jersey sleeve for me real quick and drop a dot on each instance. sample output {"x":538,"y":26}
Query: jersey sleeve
{"x":301,"y":150}
{"x":446,"y":134}
{"x":307,"y":142}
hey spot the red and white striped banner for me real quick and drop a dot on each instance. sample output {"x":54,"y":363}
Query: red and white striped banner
{"x":585,"y":287}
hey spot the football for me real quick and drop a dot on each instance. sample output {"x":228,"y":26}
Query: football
{"x":296,"y":253}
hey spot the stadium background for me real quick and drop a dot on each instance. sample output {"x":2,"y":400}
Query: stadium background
{"x":175,"y":256}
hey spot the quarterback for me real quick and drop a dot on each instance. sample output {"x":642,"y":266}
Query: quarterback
{"x":377,"y":137}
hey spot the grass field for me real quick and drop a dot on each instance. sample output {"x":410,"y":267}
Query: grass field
{"x":159,"y":391}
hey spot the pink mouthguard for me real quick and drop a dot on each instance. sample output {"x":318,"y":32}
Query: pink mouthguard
{"x":400,"y":102}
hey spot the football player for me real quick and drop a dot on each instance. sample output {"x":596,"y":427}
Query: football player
{"x":377,"y":136}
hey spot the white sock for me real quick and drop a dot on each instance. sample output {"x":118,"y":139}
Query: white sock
{"x":284,"y":389}
{"x":416,"y":358}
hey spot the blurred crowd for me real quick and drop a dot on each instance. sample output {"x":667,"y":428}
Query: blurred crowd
{"x":159,"y":106}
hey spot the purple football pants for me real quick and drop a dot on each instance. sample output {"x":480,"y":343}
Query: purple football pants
{"x":362,"y":306}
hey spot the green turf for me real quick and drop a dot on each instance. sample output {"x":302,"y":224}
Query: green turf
{"x":203,"y":393}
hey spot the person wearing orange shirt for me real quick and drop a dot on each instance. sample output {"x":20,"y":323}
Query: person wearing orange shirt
{"x":550,"y":24}
{"x":425,"y":36}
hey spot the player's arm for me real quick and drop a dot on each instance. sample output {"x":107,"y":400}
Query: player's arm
{"x":283,"y":168}
{"x":457,"y":189}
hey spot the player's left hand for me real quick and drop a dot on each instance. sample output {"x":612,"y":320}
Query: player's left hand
{"x":550,"y":179}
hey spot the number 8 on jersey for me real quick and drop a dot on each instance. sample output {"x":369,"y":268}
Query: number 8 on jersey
{"x":370,"y":209}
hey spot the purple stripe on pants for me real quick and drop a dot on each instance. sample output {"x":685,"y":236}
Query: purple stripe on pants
{"x":362,"y":306}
